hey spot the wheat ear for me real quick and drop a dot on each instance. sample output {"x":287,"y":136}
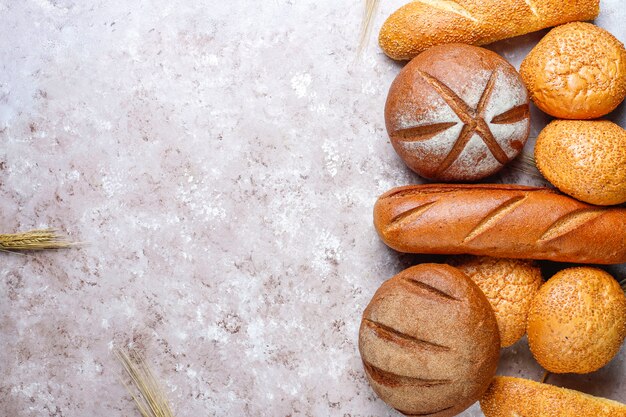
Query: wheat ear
{"x":366,"y":25}
{"x":151,"y":401}
{"x":34,"y":240}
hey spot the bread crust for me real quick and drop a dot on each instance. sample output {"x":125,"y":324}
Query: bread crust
{"x":510,"y":286}
{"x":419,"y":25}
{"x":506,"y":221}
{"x":577,"y":321}
{"x":577,"y":71}
{"x":457,"y":113}
{"x":585,"y":159}
{"x":508,"y":396}
{"x":429,"y":341}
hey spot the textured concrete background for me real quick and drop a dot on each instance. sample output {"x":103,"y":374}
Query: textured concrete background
{"x":221,"y":160}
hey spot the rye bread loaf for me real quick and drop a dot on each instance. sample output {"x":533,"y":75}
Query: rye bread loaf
{"x":429,"y":341}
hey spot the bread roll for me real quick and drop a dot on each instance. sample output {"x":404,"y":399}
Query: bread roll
{"x":504,"y":221}
{"x":420,"y":25}
{"x":585,"y":159}
{"x":577,"y":71}
{"x":508,"y":397}
{"x":429,"y":341}
{"x":457,"y":113}
{"x":577,"y":321}
{"x":510,"y":286}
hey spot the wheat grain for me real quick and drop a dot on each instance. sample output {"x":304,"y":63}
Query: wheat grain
{"x":34,"y":240}
{"x":151,"y":401}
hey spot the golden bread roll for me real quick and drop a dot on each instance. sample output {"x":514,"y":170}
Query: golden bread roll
{"x":429,"y":341}
{"x":510,"y":286}
{"x":577,"y":321}
{"x":585,"y":159}
{"x":577,"y":71}
{"x":501,"y":220}
{"x":457,"y":113}
{"x":517,"y":397}
{"x":419,"y":25}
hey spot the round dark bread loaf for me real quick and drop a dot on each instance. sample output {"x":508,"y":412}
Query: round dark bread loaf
{"x":457,"y":113}
{"x":429,"y":341}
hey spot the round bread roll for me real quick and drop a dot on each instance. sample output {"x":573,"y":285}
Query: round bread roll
{"x":577,"y":71}
{"x":457,"y":113}
{"x":585,"y":159}
{"x":429,"y":341}
{"x":577,"y":321}
{"x":510,"y":286}
{"x":508,"y":396}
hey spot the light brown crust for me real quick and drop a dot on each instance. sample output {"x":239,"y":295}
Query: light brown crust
{"x":510,"y":286}
{"x":577,"y":71}
{"x":577,"y":321}
{"x":419,"y":25}
{"x":585,"y":159}
{"x":508,"y":397}
{"x":505,"y":221}
{"x":429,"y":341}
{"x":457,"y":113}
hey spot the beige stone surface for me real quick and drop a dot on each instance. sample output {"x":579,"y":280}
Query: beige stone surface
{"x":220,"y":160}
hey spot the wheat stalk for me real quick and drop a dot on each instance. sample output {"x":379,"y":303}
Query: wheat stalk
{"x":151,"y":401}
{"x":34,"y":240}
{"x":366,"y":26}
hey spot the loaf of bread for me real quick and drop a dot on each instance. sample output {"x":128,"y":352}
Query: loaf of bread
{"x":429,"y":341}
{"x":508,"y":396}
{"x":421,"y":24}
{"x":506,"y":221}
{"x":457,"y":113}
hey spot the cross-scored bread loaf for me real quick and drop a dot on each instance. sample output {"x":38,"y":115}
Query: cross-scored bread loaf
{"x":507,"y":221}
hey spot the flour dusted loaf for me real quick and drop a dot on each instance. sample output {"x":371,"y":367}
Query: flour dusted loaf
{"x":506,"y":221}
{"x":509,"y":397}
{"x":422,"y":24}
{"x":457,"y":113}
{"x":429,"y":341}
{"x":577,"y":71}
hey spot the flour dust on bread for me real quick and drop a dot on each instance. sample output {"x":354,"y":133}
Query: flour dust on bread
{"x":457,"y":113}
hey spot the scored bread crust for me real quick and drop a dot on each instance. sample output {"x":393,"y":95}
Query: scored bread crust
{"x":509,"y":396}
{"x":457,"y":113}
{"x":429,"y":341}
{"x":506,"y":221}
{"x":419,"y":25}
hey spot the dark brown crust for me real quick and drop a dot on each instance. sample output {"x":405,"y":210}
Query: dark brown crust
{"x":429,"y":341}
{"x":508,"y":221}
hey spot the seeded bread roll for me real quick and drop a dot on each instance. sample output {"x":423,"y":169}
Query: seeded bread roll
{"x":420,"y":25}
{"x":577,"y":321}
{"x":577,"y":71}
{"x":457,"y":113}
{"x":509,"y":397}
{"x":429,"y":341}
{"x":510,"y":286}
{"x":585,"y":159}
{"x":504,"y":221}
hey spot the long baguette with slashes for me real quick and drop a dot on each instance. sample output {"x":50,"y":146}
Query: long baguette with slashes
{"x":508,"y":221}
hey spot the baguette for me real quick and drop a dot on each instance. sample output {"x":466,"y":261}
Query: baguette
{"x":422,"y":24}
{"x":506,"y":221}
{"x":508,"y":396}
